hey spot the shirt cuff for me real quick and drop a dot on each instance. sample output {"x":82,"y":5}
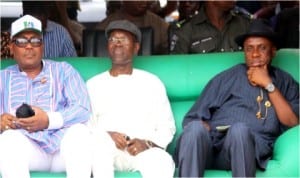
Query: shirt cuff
{"x":55,"y":120}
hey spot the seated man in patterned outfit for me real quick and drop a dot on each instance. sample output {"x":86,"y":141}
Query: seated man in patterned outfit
{"x":54,"y":137}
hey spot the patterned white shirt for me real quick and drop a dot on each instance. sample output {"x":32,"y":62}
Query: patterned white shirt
{"x":58,"y":89}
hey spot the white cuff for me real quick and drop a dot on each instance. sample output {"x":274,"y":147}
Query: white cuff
{"x":55,"y":120}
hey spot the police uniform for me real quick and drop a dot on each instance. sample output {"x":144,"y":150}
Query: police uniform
{"x":200,"y":36}
{"x":174,"y":27}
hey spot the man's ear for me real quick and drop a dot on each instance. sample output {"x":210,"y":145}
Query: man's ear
{"x":136,"y":48}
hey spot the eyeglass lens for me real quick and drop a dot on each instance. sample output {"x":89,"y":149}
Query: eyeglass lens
{"x":23,"y":42}
{"x":115,"y":40}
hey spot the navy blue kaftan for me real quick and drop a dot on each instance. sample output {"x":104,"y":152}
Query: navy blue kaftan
{"x":229,"y":98}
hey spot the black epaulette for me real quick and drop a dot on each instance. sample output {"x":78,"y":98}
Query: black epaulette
{"x":180,"y":23}
{"x":241,"y":11}
{"x":184,"y":21}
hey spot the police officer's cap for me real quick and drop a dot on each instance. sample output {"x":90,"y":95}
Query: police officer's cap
{"x":124,"y":25}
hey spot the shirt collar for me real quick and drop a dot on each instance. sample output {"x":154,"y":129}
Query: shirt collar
{"x":17,"y":69}
{"x":50,"y":26}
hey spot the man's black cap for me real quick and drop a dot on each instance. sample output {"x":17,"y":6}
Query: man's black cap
{"x":126,"y":26}
{"x":260,"y":28}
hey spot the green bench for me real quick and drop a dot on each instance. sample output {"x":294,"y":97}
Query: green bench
{"x":185,"y":76}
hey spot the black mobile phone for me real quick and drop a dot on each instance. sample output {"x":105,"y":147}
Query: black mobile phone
{"x":24,"y":111}
{"x":127,"y":137}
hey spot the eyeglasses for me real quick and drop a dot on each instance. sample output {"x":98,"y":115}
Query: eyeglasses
{"x":122,"y":40}
{"x":23,"y":42}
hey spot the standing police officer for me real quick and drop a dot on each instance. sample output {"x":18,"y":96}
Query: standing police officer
{"x":213,"y":29}
{"x":186,"y":10}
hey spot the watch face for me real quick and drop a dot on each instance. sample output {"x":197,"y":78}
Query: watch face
{"x":270,"y":87}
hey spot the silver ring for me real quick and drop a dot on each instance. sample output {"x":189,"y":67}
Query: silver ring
{"x":15,"y":123}
{"x":7,"y":127}
{"x":135,"y":149}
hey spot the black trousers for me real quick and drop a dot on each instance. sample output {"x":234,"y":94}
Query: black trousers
{"x":197,"y":150}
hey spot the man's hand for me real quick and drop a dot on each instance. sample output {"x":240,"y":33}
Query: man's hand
{"x":135,"y":146}
{"x":38,"y":122}
{"x":7,"y":121}
{"x":205,"y":124}
{"x":259,"y":76}
{"x":119,"y":139}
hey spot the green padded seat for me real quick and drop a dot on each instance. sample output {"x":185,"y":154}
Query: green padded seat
{"x":185,"y":76}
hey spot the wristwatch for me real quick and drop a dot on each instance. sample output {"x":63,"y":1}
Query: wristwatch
{"x":270,"y":87}
{"x":149,"y":144}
